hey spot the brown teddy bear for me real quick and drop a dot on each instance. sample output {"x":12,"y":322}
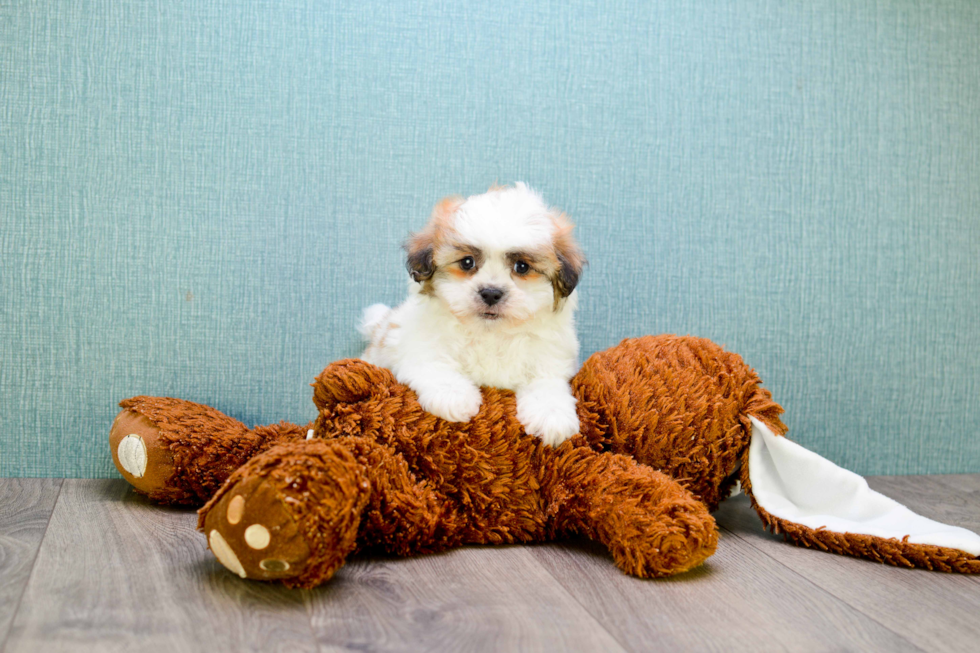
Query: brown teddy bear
{"x":668,"y":425}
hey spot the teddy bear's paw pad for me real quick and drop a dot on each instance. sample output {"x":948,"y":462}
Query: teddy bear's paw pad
{"x":139,"y":453}
{"x":253,"y":533}
{"x":225,"y":554}
{"x":132,"y":454}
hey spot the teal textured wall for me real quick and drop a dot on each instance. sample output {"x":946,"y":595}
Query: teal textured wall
{"x":197,"y":198}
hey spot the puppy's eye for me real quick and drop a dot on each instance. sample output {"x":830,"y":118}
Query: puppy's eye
{"x":522,"y":268}
{"x":467,"y":263}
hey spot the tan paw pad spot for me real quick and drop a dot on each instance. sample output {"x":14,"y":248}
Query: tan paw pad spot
{"x":257,"y":536}
{"x":273,"y":565}
{"x":132,"y":455}
{"x":224,"y":553}
{"x":236,"y":508}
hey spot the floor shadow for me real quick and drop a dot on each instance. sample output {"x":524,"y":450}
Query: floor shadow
{"x":586,"y":548}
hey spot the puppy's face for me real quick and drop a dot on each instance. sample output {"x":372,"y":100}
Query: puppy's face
{"x":500,"y":257}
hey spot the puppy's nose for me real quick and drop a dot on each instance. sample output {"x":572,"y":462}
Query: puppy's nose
{"x":491,"y":295}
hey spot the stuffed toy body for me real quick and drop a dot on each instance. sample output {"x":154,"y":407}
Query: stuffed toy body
{"x":668,"y":425}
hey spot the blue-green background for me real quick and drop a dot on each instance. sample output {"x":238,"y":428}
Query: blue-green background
{"x":197,"y":198}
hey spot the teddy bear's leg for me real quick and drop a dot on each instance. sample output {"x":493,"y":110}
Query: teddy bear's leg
{"x":180,"y":452}
{"x":677,"y":404}
{"x":294,"y":512}
{"x":652,"y":526}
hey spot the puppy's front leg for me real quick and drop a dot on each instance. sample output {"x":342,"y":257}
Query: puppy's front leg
{"x":546,"y":408}
{"x":444,"y":392}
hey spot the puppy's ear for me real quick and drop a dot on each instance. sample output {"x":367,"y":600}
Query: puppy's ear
{"x":567,"y":277}
{"x":571,"y":261}
{"x":420,"y":261}
{"x":421,"y":246}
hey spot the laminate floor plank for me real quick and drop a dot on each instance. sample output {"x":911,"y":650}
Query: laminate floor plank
{"x":469,"y":599}
{"x":740,"y":600}
{"x":953,"y":499}
{"x":25,"y":508}
{"x":935,"y":611}
{"x":116,"y":573}
{"x":950,"y":498}
{"x":96,"y":567}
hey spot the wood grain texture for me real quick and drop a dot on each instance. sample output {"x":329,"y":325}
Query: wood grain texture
{"x":116,"y":573}
{"x":950,"y":498}
{"x":25,"y":508}
{"x":953,"y":498}
{"x":934,"y":611}
{"x":470,"y":599}
{"x":740,"y":600}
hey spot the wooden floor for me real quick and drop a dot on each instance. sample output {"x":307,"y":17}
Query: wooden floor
{"x":89,"y":565}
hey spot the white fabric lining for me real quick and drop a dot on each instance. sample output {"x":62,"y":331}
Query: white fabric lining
{"x":799,"y":486}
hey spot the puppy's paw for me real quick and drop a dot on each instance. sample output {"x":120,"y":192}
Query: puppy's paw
{"x":458,"y":402}
{"x":552,"y":426}
{"x":549,"y":415}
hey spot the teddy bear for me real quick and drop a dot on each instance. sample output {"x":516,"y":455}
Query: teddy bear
{"x":668,"y":426}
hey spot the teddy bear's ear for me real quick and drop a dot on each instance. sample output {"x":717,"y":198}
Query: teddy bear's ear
{"x":349,"y":381}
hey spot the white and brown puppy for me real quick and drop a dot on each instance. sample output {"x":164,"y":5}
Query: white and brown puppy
{"x":491,"y":303}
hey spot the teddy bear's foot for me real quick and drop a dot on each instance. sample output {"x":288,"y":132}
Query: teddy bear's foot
{"x":139,"y":452}
{"x":253,"y":532}
{"x":678,"y":536}
{"x":652,"y":526}
{"x":290,"y":514}
{"x":179,"y":452}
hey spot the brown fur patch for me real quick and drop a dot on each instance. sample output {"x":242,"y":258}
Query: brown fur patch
{"x":449,"y":254}
{"x":422,"y":245}
{"x":542,"y":264}
{"x":442,"y":213}
{"x":664,"y":425}
{"x":569,"y":257}
{"x":531,"y":258}
{"x":458,"y":251}
{"x":533,"y":275}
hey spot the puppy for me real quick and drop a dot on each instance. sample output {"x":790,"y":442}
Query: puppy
{"x":491,"y":303}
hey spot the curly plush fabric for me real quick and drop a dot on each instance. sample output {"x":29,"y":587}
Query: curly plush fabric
{"x":677,"y":404}
{"x":665,"y":432}
{"x":191,"y":448}
{"x":432,"y":484}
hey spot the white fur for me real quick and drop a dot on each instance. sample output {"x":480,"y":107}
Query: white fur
{"x":442,"y":345}
{"x":374,"y":316}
